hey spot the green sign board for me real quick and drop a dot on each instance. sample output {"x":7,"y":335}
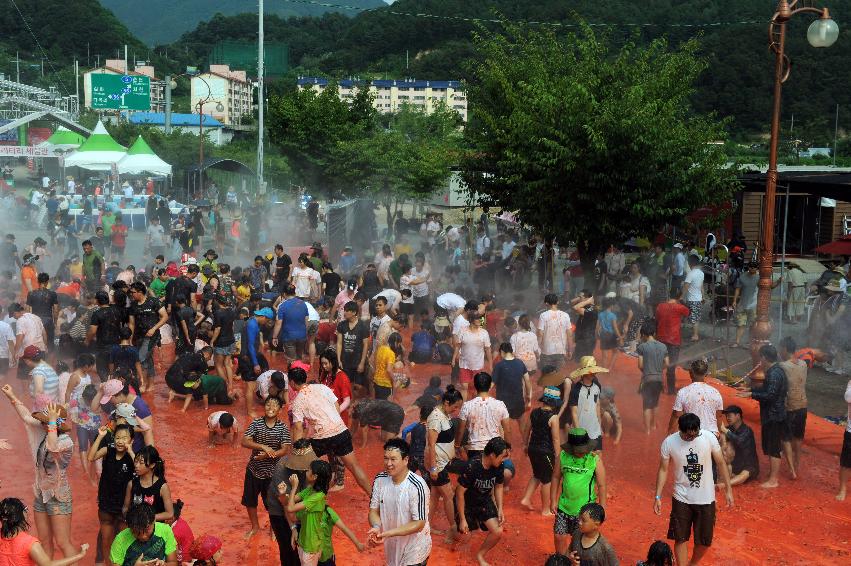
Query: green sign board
{"x":120,"y":92}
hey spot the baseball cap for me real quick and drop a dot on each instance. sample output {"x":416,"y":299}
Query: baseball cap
{"x":732,"y":409}
{"x":31,"y":352}
{"x":265,"y":311}
{"x":678,"y":245}
{"x":110,"y":388}
{"x":353,"y":284}
{"x":128,"y":413}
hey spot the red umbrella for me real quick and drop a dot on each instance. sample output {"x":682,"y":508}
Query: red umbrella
{"x":842,"y":246}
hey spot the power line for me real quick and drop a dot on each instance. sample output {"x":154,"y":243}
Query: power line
{"x":43,"y":52}
{"x":529,"y":22}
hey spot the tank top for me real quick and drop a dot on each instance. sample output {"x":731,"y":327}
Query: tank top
{"x":15,"y":551}
{"x":541,"y":438}
{"x":371,"y":283}
{"x":150,"y":495}
{"x":577,"y":482}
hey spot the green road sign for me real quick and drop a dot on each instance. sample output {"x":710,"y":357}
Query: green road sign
{"x":121,"y":92}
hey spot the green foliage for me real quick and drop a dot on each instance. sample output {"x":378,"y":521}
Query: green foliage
{"x":589,"y":143}
{"x":310,"y":127}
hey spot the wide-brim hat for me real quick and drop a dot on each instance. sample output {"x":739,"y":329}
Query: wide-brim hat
{"x":577,"y":441}
{"x":550,"y":378}
{"x":833,"y":286}
{"x":212,"y":253}
{"x":300,"y":458}
{"x":40,"y":414}
{"x":587,"y":364}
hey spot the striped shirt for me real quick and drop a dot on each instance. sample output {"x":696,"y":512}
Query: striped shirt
{"x":274,"y":437}
{"x":398,"y":505}
{"x":49,"y":379}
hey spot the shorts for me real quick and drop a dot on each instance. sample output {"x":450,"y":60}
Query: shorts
{"x":509,"y":467}
{"x":553,"y":360}
{"x":246,"y":370}
{"x":584,"y":347}
{"x":442,"y":478}
{"x":406,"y":308}
{"x":608,"y":341}
{"x":85,"y":438}
{"x":597,"y":443}
{"x":746,"y":317}
{"x":650,"y":392}
{"x":845,"y":457}
{"x":253,"y":486}
{"x":542,"y":466}
{"x":686,"y":518}
{"x":695,"y":308}
{"x":294,"y":349}
{"x":477,"y":515}
{"x":382,"y":392}
{"x":330,"y":562}
{"x":796,"y":424}
{"x":312,"y":328}
{"x":51,"y":507}
{"x":225,"y":350}
{"x":515,"y":410}
{"x":565,"y":525}
{"x":117,"y":249}
{"x":772,"y":438}
{"x":421,"y":304}
{"x":466,"y":375}
{"x":4,"y":365}
{"x":338,"y":445}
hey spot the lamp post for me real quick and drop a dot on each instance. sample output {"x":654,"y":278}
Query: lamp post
{"x":823,"y":32}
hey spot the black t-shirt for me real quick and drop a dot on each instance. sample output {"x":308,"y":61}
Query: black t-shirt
{"x":8,"y":252}
{"x":41,"y":302}
{"x":332,"y":284}
{"x":744,"y":443}
{"x":113,"y":480}
{"x":188,"y":363}
{"x":180,"y":286}
{"x":187,"y":314}
{"x":508,"y":379}
{"x":108,"y":321}
{"x":223,"y":318}
{"x":282,"y":268}
{"x":479,"y":482}
{"x":145,"y":315}
{"x":352,"y":342}
{"x":586,"y":326}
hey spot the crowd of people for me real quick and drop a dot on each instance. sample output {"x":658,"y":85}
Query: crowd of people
{"x":298,"y":359}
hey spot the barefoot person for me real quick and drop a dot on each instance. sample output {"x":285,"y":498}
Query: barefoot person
{"x":772,"y":412}
{"x":541,"y":443}
{"x":652,"y":361}
{"x":440,"y":450}
{"x":269,"y":440}
{"x":699,"y":398}
{"x":316,"y":405}
{"x":478,"y":497}
{"x":691,"y":452}
{"x":740,"y":449}
{"x":17,"y":546}
{"x":398,"y":510}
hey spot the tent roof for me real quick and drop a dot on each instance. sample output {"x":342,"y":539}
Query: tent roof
{"x":143,"y":163}
{"x":140,"y":147}
{"x":64,"y":136}
{"x":100,"y":140}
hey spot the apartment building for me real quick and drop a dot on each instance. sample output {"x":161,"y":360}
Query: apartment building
{"x":221,"y":85}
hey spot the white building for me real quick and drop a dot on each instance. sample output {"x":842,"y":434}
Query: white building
{"x":117,"y":67}
{"x":223,"y":86}
{"x":390,"y":95}
{"x":215,"y":131}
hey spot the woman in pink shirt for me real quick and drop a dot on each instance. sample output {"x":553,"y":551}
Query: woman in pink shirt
{"x":17,"y":546}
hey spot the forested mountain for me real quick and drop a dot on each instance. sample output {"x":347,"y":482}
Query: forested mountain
{"x":160,"y":22}
{"x":734,"y":39}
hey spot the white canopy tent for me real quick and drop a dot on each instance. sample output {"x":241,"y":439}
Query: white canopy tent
{"x":141,"y":159}
{"x":99,"y":153}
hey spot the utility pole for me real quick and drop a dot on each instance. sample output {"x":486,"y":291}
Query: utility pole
{"x":260,"y":98}
{"x":168,"y":104}
{"x":77,"y":79}
{"x":42,"y":67}
{"x":835,"y":134}
{"x":17,"y":67}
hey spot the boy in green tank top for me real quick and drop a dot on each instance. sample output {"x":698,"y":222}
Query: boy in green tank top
{"x":578,"y":479}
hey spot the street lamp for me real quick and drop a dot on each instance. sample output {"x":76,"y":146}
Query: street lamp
{"x":822,"y":33}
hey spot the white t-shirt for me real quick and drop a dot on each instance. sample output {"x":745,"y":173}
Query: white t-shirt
{"x":695,"y":285}
{"x":848,"y":400}
{"x":156,"y":235}
{"x":460,"y":323}
{"x":439,"y":421}
{"x":6,"y":335}
{"x":316,"y":404}
{"x":420,"y":289}
{"x":471,"y":352}
{"x":264,"y":382}
{"x":554,"y":325}
{"x":393,"y":297}
{"x":31,"y":328}
{"x":302,"y":276}
{"x":45,"y":182}
{"x":213,"y":422}
{"x":484,"y":416}
{"x":71,"y":186}
{"x":312,"y":313}
{"x":451,"y":302}
{"x":399,"y":505}
{"x":692,"y":466}
{"x":704,"y":401}
{"x":432,"y":228}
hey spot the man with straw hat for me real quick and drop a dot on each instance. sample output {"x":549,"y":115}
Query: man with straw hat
{"x":584,"y":400}
{"x":579,"y":478}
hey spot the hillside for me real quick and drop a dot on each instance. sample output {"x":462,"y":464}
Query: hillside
{"x":159,"y":22}
{"x":733,"y":34}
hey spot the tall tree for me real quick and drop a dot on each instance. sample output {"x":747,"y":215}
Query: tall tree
{"x":587,"y":143}
{"x":310,"y":127}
